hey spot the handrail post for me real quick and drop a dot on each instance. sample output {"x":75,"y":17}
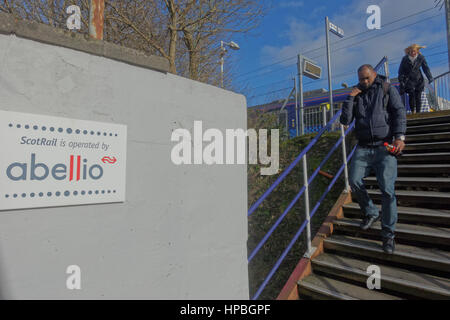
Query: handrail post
{"x":344,"y":156}
{"x":310,"y":250}
{"x":324,"y":115}
{"x":386,"y":69}
{"x":296,"y":106}
{"x":436,"y":96}
{"x":300,"y":93}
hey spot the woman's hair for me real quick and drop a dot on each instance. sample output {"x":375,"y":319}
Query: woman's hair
{"x":414,"y":46}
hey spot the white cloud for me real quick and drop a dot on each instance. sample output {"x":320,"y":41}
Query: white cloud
{"x":302,"y":36}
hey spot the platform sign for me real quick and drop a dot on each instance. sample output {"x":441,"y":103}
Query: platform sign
{"x":311,"y":69}
{"x":336,"y":30}
{"x":50,"y":161}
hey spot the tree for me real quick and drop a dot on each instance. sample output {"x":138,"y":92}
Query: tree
{"x":199,"y":24}
{"x":185,"y":32}
{"x":211,"y":21}
{"x":51,"y":12}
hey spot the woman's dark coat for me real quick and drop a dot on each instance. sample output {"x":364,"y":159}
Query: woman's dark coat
{"x":410,"y":76}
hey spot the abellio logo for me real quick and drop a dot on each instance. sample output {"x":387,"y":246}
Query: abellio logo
{"x":75,"y":170}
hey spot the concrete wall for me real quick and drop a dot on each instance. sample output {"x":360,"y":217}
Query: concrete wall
{"x":182,"y":232}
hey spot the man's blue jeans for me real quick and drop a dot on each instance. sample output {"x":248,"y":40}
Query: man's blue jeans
{"x":384,"y":165}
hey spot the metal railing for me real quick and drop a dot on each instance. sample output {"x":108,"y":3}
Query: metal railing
{"x":303,"y":191}
{"x":315,"y":117}
{"x":385,"y":70}
{"x":440,"y":97}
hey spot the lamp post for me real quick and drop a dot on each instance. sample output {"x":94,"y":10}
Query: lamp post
{"x":223,"y":50}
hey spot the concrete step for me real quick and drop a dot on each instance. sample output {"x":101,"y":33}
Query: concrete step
{"x":416,"y":198}
{"x":423,"y":169}
{"x":431,"y":260}
{"x":428,"y":137}
{"x":405,"y":233}
{"x":396,"y":280}
{"x":424,"y":158}
{"x":319,"y":287}
{"x":422,"y":121}
{"x":420,"y":182}
{"x":427,"y":147}
{"x":438,"y":217}
{"x":442,"y":127}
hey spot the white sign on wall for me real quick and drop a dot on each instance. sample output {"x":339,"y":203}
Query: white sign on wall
{"x":50,"y":161}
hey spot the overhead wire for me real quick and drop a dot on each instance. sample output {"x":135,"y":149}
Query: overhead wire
{"x":338,"y":41}
{"x":343,"y":74}
{"x":341,"y":48}
{"x":348,"y":47}
{"x":393,"y":62}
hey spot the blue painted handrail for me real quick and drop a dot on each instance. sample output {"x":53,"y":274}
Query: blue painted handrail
{"x":292,"y":165}
{"x":299,"y":194}
{"x":299,"y":232}
{"x":378,"y":66}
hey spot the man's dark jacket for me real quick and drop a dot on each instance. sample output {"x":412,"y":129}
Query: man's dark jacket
{"x":373,"y":124}
{"x":410,"y":76}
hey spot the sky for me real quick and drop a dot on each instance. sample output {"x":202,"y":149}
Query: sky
{"x":264,"y":67}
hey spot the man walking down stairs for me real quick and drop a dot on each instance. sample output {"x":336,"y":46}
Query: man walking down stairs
{"x":420,"y":265}
{"x":380,"y":117}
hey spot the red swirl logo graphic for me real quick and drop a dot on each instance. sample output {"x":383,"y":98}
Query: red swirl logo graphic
{"x":109,"y":159}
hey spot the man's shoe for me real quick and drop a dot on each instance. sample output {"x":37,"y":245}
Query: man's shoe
{"x":388,"y":245}
{"x":368,"y":221}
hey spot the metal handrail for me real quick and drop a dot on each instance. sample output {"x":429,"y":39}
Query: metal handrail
{"x":299,"y":232}
{"x":441,"y":75}
{"x":309,"y":215}
{"x":299,"y":194}
{"x":292,"y":165}
{"x":381,"y":63}
{"x":304,"y":190}
{"x":439,"y":96}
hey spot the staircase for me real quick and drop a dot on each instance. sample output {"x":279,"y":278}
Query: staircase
{"x":420,"y":265}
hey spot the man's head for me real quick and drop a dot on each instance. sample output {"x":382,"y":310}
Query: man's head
{"x":366,"y":75}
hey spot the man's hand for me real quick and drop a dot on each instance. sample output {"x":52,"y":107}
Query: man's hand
{"x":355,"y":92}
{"x":399,"y":146}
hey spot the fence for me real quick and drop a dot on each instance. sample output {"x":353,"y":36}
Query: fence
{"x":315,"y":117}
{"x":303,"y":191}
{"x":435,"y":97}
{"x":441,"y":93}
